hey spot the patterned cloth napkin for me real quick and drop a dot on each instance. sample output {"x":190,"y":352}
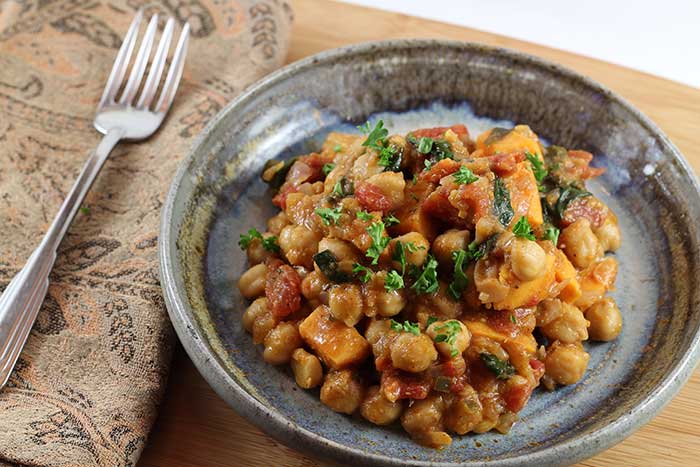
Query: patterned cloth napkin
{"x":87,"y":386}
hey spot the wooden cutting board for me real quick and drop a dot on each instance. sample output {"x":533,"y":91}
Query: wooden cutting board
{"x":196,"y":428}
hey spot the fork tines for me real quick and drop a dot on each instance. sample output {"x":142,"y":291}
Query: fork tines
{"x":138,"y":68}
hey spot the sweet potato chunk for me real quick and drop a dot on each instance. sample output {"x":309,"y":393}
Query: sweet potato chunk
{"x":524,"y":196}
{"x":531,"y":292}
{"x":479,"y":328}
{"x":338,"y":345}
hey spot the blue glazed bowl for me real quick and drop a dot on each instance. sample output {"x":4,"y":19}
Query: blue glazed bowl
{"x":217,"y":194}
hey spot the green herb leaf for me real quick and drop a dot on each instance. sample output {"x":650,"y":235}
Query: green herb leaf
{"x":428,"y":164}
{"x":537,"y":165}
{"x":270,"y":244}
{"x":366,"y":127}
{"x":379,"y":241}
{"x":430,"y":321}
{"x":327,"y":168}
{"x":502,"y":369}
{"x":523,"y":229}
{"x":459,"y":279}
{"x":425,"y":145}
{"x":427,"y":282}
{"x":328,"y":264}
{"x":362,"y":272}
{"x":406,"y":326}
{"x":566,"y":196}
{"x":341,"y":189}
{"x":551,"y":233}
{"x":449,"y":331}
{"x":464,"y":176}
{"x":393,"y":281}
{"x":414,"y":179}
{"x":400,"y":256}
{"x":513,"y":319}
{"x":337,"y":148}
{"x":85,"y":210}
{"x":502,"y":208}
{"x":390,"y":158}
{"x":375,"y":138}
{"x":329,"y":214}
{"x":245,"y":240}
{"x":364,"y":216}
{"x":391,"y":220}
{"x":477,"y":251}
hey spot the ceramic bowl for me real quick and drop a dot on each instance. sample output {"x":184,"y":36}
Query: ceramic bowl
{"x":217,"y":194}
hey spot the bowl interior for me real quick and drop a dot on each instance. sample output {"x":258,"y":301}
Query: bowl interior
{"x":219,"y":195}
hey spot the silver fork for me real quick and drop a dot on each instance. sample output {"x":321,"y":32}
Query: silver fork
{"x":119,"y":117}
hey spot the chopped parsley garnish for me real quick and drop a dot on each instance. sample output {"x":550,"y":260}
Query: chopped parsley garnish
{"x":85,"y":210}
{"x":427,"y":281}
{"x":566,"y":196}
{"x":364,"y":216}
{"x":270,"y":244}
{"x":537,"y":165}
{"x":523,"y":229}
{"x":337,"y":148}
{"x":406,"y":326}
{"x":502,"y":369}
{"x":464,"y":176}
{"x":393,"y":281}
{"x":329,"y":214}
{"x":389,"y":155}
{"x":551,"y":233}
{"x":328,"y":264}
{"x":430,"y":321}
{"x":361,"y":272}
{"x":459,"y":279}
{"x":428,"y":164}
{"x":391,"y":220}
{"x":448,"y":333}
{"x":390,"y":158}
{"x":414,"y":179}
{"x":379,"y":241}
{"x":502,"y":208}
{"x":375,"y":136}
{"x":435,"y":150}
{"x":327,"y":168}
{"x":400,"y":256}
{"x":246,"y":239}
{"x":513,"y":319}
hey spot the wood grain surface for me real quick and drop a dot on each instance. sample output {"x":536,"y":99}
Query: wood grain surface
{"x":196,"y":428}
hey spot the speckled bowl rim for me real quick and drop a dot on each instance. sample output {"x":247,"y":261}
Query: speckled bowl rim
{"x":181,"y":315}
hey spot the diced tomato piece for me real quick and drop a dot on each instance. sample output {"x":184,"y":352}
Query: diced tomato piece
{"x":516,"y":396}
{"x":438,"y":131}
{"x":438,"y":206}
{"x":280,"y":199}
{"x":590,"y":208}
{"x":282,"y":288}
{"x":505,"y":164}
{"x":458,"y":384}
{"x":537,"y":368}
{"x":476,"y":197}
{"x":581,"y":160}
{"x":316,"y":162}
{"x":442,"y":169}
{"x":501,"y":321}
{"x":397,"y":385}
{"x":371,"y":197}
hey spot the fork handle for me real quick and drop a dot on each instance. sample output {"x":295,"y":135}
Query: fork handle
{"x":22,"y":299}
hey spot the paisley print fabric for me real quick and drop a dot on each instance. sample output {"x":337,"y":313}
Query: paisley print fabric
{"x":86,"y":388}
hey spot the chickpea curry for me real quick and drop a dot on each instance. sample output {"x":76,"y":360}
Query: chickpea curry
{"x":432,"y":279}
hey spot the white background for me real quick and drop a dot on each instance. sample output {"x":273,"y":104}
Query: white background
{"x":661,"y":37}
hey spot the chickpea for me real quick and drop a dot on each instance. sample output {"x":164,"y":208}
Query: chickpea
{"x":313,"y":284}
{"x":423,"y":421}
{"x":306,"y":368}
{"x":252,"y":282}
{"x":263,"y":324}
{"x":256,"y":309}
{"x":412,"y":352}
{"x":280,"y":342}
{"x":566,"y":363}
{"x":569,"y":327}
{"x":390,"y":303}
{"x":346,"y":304}
{"x":299,"y":245}
{"x":485,"y":227}
{"x":415,"y":256}
{"x":341,"y":391}
{"x":441,"y":304}
{"x":605,"y":319}
{"x":527,"y":259}
{"x":448,"y":328}
{"x":580,"y":244}
{"x":449,"y":242}
{"x":377,"y":409}
{"x":256,"y":252}
{"x":341,"y":250}
{"x":392,"y":185}
{"x":276,"y":223}
{"x":609,"y":234}
{"x":464,"y":412}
